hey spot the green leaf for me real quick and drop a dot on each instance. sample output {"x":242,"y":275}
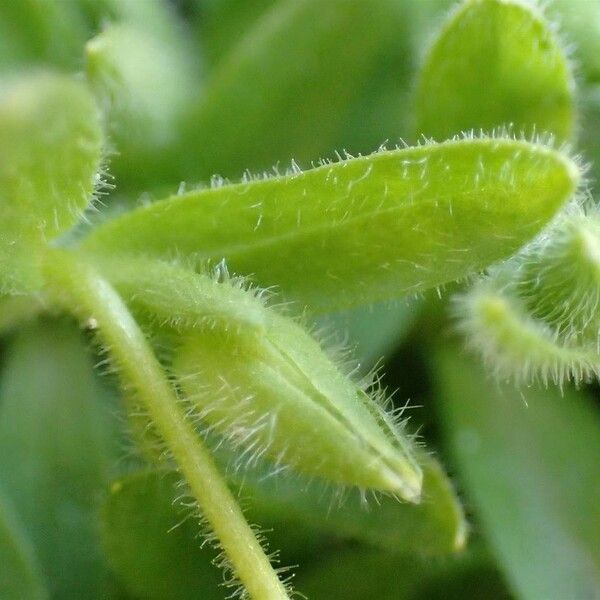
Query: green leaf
{"x":40,"y":32}
{"x":363,"y":575}
{"x":580,"y":22}
{"x":144,"y":82}
{"x":51,"y":139}
{"x":372,"y":331}
{"x":515,"y":345}
{"x":282,"y":90}
{"x":392,"y":223}
{"x":222,"y":24}
{"x":20,"y":575}
{"x":178,"y":296}
{"x":379,"y":111}
{"x":529,"y":461}
{"x":479,"y":74}
{"x":151,"y":544}
{"x":56,"y":453}
{"x":437,"y":526}
{"x":359,"y":574}
{"x":589,"y":139}
{"x":14,"y":310}
{"x":145,"y":70}
{"x":277,"y":393}
{"x":140,"y":513}
{"x":535,"y":317}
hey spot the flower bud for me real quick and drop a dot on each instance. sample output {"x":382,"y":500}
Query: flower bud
{"x":275,"y":393}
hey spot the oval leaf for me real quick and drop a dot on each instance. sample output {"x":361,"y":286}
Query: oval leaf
{"x":277,"y":393}
{"x":364,"y":229}
{"x":480,"y":74}
{"x":51,"y":143}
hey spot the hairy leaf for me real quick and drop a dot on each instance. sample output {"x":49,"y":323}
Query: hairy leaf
{"x":515,"y":345}
{"x":535,"y":317}
{"x":178,"y":296}
{"x":392,"y":223}
{"x":51,"y":139}
{"x":276,"y":393}
{"x":529,"y":462}
{"x":496,"y":63}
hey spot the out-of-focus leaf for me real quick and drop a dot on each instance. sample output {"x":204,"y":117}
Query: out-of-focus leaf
{"x":20,"y":575}
{"x":152,"y":546}
{"x":437,"y":526}
{"x":589,"y":138}
{"x":154,"y":16}
{"x":529,"y":461}
{"x":579,"y":21}
{"x":140,"y":513}
{"x":380,"y":110}
{"x":56,"y":453}
{"x":362,"y":575}
{"x":372,"y":331}
{"x":361,"y":230}
{"x":368,"y":575}
{"x":283,"y":89}
{"x":51,"y":143}
{"x":145,"y":70}
{"x":496,"y":63}
{"x":384,"y":109}
{"x":39,"y":32}
{"x":376,"y":109}
{"x":144,"y":83}
{"x":14,"y":310}
{"x":222,"y":23}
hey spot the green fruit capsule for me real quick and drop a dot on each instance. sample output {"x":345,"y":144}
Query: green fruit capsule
{"x":277,"y":394}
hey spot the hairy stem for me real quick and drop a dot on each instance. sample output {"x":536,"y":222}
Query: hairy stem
{"x":84,"y":291}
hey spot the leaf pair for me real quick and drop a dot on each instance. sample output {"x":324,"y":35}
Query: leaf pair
{"x":259,"y":379}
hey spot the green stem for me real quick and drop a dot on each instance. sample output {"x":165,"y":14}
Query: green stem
{"x":77,"y":284}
